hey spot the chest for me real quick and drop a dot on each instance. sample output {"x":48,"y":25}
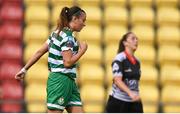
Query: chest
{"x":131,"y":71}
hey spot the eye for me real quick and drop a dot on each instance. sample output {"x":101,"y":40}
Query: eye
{"x":134,"y":38}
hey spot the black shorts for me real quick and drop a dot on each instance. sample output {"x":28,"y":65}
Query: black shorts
{"x":118,"y":106}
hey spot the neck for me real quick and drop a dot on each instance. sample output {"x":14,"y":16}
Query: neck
{"x":129,"y":51}
{"x":71,"y":27}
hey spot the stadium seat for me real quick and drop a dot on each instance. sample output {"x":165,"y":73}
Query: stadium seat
{"x":149,"y":74}
{"x":113,"y":33}
{"x":12,"y":2}
{"x":11,"y":32}
{"x":144,"y":33}
{"x":142,"y":15}
{"x":140,"y":3}
{"x":36,"y":2}
{"x":166,"y":3}
{"x":12,"y":90}
{"x":10,"y":51}
{"x":174,"y":108}
{"x":149,"y":108}
{"x":11,"y":13}
{"x":170,"y":94}
{"x":92,"y":96}
{"x":10,"y":107}
{"x":149,"y":94}
{"x":93,"y":107}
{"x":89,"y":2}
{"x":35,"y":92}
{"x":168,"y":16}
{"x":37,"y":74}
{"x":93,"y":55}
{"x":30,"y":50}
{"x":110,"y":53}
{"x":109,"y":76}
{"x":91,"y":73}
{"x":111,"y":17}
{"x":170,"y":75}
{"x":1,"y":33}
{"x":61,"y":2}
{"x":119,"y":3}
{"x":94,"y":14}
{"x":13,"y":68}
{"x":164,"y":56}
{"x":149,"y":57}
{"x":168,"y":35}
{"x":36,"y":33}
{"x":55,"y":12}
{"x":32,"y":15}
{"x":32,"y":107}
{"x":86,"y":34}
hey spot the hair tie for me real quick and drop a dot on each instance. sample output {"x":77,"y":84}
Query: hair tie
{"x":67,"y":11}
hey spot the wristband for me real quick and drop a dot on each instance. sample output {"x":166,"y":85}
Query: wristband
{"x":23,"y":70}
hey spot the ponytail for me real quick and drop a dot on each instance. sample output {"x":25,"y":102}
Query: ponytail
{"x":63,"y":19}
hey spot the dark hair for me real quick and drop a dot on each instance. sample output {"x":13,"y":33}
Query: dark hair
{"x":121,"y":45}
{"x":66,"y":16}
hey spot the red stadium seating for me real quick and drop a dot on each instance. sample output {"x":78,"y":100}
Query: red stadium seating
{"x":11,"y":13}
{"x":13,"y":68}
{"x":11,"y":32}
{"x":11,"y":90}
{"x":11,"y":107}
{"x":10,"y":51}
{"x":12,"y":96}
{"x":14,"y":2}
{"x":0,"y":34}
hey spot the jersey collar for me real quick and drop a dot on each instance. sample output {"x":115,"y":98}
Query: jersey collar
{"x":68,"y":31}
{"x":130,"y":58}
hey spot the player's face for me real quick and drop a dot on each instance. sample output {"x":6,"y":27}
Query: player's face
{"x":132,"y":41}
{"x":80,"y":22}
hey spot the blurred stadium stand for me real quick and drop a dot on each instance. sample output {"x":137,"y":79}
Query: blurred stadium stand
{"x":11,"y":52}
{"x":26,"y":24}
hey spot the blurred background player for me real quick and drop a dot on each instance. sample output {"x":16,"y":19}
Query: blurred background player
{"x":125,"y":97}
{"x":64,"y":51}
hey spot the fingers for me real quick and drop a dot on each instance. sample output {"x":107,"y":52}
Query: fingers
{"x":20,"y":76}
{"x":136,"y":98}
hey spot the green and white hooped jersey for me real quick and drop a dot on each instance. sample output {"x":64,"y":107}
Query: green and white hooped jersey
{"x":58,"y":43}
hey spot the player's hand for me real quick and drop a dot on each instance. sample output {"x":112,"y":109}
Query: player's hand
{"x":20,"y":75}
{"x":134,"y":97}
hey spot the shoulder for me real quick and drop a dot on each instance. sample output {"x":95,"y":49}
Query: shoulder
{"x":120,"y":57}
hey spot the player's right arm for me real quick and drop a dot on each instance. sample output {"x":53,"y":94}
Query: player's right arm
{"x":20,"y":75}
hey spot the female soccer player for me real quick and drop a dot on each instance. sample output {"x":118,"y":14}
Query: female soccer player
{"x":64,"y":51}
{"x":124,"y":97}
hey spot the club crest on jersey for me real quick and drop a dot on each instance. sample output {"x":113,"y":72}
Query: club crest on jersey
{"x":61,"y":101}
{"x":128,"y":70}
{"x":69,"y":43}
